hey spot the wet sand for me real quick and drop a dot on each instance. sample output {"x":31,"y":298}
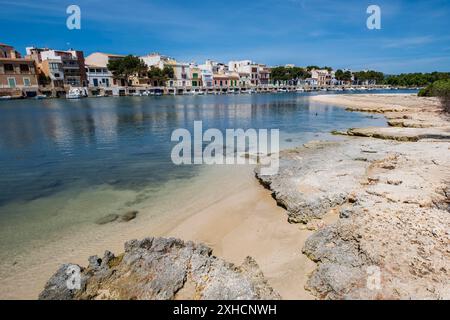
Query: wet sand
{"x":234,"y":215}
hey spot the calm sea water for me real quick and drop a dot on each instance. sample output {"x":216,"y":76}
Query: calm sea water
{"x":52,"y":147}
{"x":47,"y":146}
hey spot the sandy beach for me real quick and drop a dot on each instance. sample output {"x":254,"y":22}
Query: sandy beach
{"x":235,"y":216}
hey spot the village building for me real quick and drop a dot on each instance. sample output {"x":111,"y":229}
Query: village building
{"x":70,"y":62}
{"x":101,"y":60}
{"x":18,"y":76}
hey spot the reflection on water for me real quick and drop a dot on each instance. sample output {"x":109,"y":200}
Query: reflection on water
{"x":47,"y":146}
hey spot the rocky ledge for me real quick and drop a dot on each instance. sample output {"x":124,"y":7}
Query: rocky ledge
{"x":390,"y":198}
{"x":160,"y":269}
{"x":391,"y":202}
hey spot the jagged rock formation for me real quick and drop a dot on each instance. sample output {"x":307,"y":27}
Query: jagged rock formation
{"x":159,"y":268}
{"x":393,"y":203}
{"x":392,"y":237}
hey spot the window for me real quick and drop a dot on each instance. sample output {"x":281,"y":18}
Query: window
{"x":8,"y":67}
{"x":24,"y":68}
{"x":12,"y":82}
{"x":26,"y":82}
{"x":57,"y":75}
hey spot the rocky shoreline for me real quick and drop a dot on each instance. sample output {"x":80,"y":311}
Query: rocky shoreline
{"x":378,"y":202}
{"x":390,"y":197}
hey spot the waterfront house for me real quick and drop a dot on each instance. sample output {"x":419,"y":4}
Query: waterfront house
{"x":99,"y":77}
{"x":264,"y":75}
{"x":72,"y":63}
{"x":322,"y":77}
{"x":101,"y":59}
{"x":18,"y":76}
{"x":182,"y":75}
{"x":207,"y":78}
{"x":258,"y":74}
{"x":196,"y":76}
{"x":214,"y":67}
{"x":226,"y":81}
{"x":51,"y":75}
{"x":244,"y":80}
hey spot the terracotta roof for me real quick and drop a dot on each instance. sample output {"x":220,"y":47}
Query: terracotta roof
{"x":6,"y":45}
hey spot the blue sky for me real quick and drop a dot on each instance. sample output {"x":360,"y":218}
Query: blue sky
{"x":414,"y":37}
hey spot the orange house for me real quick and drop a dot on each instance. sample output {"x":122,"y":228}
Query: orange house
{"x":18,"y":76}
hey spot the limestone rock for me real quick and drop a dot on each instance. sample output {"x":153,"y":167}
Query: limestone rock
{"x":161,"y":269}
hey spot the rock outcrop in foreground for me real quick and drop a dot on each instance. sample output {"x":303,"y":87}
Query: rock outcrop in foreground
{"x":159,"y":268}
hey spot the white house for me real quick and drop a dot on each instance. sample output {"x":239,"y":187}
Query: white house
{"x":258,"y":74}
{"x":99,"y":61}
{"x":182,"y":74}
{"x":99,"y":77}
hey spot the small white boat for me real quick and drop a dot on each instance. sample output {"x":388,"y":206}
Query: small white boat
{"x":40,"y":97}
{"x":74,"y":94}
{"x":5,"y":98}
{"x":300,"y":90}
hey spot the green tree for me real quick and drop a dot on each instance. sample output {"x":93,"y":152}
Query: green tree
{"x":126,"y":67}
{"x":289,"y":74}
{"x":160,"y":76}
{"x":415,"y":79}
{"x":309,"y":68}
{"x":347,"y":76}
{"x":441,"y":89}
{"x":339,"y":74}
{"x":168,"y":72}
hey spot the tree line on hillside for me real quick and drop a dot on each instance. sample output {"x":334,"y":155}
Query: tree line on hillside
{"x":415,"y":79}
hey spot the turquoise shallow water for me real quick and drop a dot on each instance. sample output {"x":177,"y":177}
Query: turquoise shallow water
{"x":47,"y":146}
{"x":55,"y":155}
